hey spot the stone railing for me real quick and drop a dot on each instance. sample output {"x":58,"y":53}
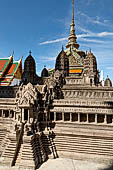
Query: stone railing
{"x":89,"y":93}
{"x":89,"y":103}
{"x":18,"y":145}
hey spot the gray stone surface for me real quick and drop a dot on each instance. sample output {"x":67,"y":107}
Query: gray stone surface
{"x":65,"y":164}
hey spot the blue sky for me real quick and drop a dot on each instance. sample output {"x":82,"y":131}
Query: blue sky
{"x":43,"y":27}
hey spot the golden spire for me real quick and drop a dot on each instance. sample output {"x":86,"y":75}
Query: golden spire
{"x":73,"y":11}
{"x":72,"y":37}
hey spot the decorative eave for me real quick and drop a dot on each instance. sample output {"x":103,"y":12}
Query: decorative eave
{"x":14,"y":71}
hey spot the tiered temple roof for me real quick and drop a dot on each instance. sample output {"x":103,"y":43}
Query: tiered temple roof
{"x":9,"y":70}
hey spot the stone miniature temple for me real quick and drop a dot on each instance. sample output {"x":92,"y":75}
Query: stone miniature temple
{"x":64,"y":113}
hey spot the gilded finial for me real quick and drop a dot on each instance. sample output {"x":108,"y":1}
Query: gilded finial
{"x":72,"y":11}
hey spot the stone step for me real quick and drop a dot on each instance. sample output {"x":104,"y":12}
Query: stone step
{"x":84,"y":141}
{"x":86,"y":151}
{"x":85,"y":146}
{"x":82,"y":138}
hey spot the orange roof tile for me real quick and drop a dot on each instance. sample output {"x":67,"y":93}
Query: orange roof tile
{"x":3,"y":63}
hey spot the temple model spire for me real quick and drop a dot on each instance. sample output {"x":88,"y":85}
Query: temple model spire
{"x":72,"y":37}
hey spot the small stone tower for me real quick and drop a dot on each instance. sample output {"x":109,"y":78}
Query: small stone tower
{"x":62,"y":63}
{"x":44,"y":72}
{"x":29,"y":74}
{"x":90,"y":68}
{"x":108,"y":82}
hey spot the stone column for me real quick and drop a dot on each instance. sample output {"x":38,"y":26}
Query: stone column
{"x":10,"y":114}
{"x":54,"y":116}
{"x":29,"y":115}
{"x":2,"y":113}
{"x":71,"y":117}
{"x":78,"y":117}
{"x":22,"y":114}
{"x":96,"y":118}
{"x":14,"y":115}
{"x":63,"y":116}
{"x":105,"y":119}
{"x":87,"y":118}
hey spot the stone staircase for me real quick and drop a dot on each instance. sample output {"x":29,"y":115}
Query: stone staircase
{"x":47,"y":139}
{"x":25,"y":156}
{"x":31,"y":153}
{"x":38,"y":149}
{"x":79,"y":141}
{"x":3,"y":133}
{"x":9,"y":150}
{"x":18,"y":144}
{"x":82,"y":144}
{"x":4,"y":142}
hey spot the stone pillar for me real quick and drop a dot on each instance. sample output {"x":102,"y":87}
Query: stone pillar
{"x":87,"y":118}
{"x":10,"y":114}
{"x":63,"y":116}
{"x":14,"y":115}
{"x":2,"y":113}
{"x":96,"y":118}
{"x":22,"y":114}
{"x":78,"y":117}
{"x":29,"y":115}
{"x":54,"y":116}
{"x":105,"y":119}
{"x":71,"y":117}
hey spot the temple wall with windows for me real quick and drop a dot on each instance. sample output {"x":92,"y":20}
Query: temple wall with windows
{"x":82,"y":118}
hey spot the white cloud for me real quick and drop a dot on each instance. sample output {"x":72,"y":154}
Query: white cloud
{"x":103,"y":34}
{"x":92,"y":40}
{"x":92,"y":34}
{"x":83,"y":29}
{"x":53,"y":41}
{"x":94,"y":20}
{"x":46,"y":58}
{"x":51,"y":59}
{"x":83,"y":37}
